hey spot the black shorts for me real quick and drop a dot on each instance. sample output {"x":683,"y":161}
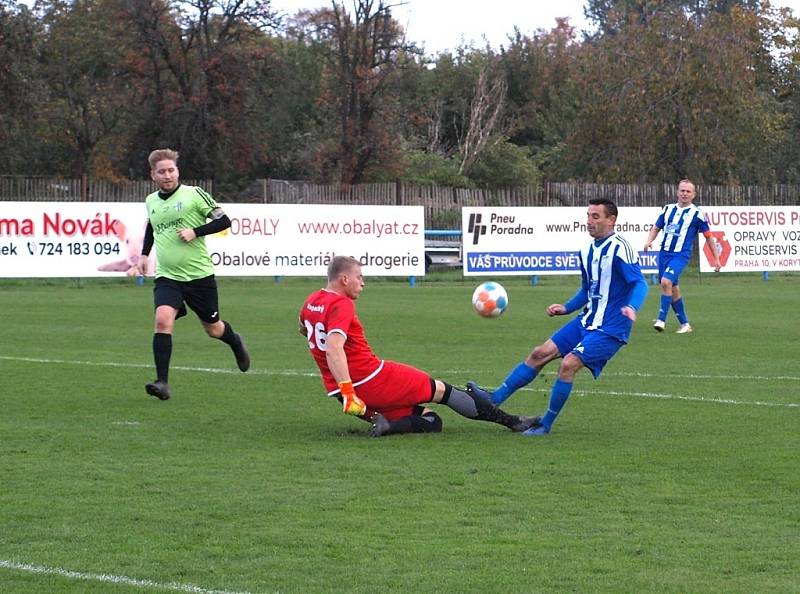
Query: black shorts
{"x":200,"y":295}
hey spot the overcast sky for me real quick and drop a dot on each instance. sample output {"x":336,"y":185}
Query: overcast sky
{"x":442,"y":25}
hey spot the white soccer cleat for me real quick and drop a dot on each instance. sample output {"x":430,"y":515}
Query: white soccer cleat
{"x":684,"y":329}
{"x":659,"y":325}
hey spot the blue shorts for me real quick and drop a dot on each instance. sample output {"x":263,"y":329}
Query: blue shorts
{"x":593,"y":347}
{"x":671,"y":266}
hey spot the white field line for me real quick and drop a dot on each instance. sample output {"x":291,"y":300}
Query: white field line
{"x":464,"y":372}
{"x":301,"y":373}
{"x":688,"y":398}
{"x":290,"y":372}
{"x":111,"y":579}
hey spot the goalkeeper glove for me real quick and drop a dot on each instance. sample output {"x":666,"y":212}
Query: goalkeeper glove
{"x":351,"y":404}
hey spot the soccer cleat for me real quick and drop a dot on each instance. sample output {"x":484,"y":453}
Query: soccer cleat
{"x":474,"y":388}
{"x":659,"y":325}
{"x":158,"y":389}
{"x":684,"y":329}
{"x":525,"y":424}
{"x":241,"y":354}
{"x":540,"y":430}
{"x":380,"y":426}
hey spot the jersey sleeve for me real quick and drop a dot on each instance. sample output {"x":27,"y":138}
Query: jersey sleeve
{"x":702,"y":222}
{"x":627,"y":262}
{"x":340,"y":316}
{"x":660,"y":219}
{"x":205,"y":201}
{"x":630,"y":271}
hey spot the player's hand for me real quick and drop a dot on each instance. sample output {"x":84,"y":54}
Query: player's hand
{"x":647,"y":246}
{"x":187,"y":235}
{"x":629,"y":313}
{"x":141,"y":266}
{"x":351,"y":404}
{"x":556,"y":309}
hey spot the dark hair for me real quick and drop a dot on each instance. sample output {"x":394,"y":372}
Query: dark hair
{"x":610,"y":207}
{"x":340,"y":264}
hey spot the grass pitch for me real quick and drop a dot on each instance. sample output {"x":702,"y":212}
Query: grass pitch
{"x":677,"y":471}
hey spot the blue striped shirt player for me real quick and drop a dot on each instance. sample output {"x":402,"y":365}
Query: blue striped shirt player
{"x":681,"y":223}
{"x":612,"y":291}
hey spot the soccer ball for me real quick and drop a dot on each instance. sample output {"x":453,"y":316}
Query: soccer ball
{"x":490,"y":299}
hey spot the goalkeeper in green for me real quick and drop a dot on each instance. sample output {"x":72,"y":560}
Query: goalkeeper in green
{"x":184,"y":275}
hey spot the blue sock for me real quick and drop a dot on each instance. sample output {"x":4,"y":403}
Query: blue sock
{"x":558,"y":398}
{"x":666,"y":300}
{"x":680,"y":311}
{"x":520,"y":376}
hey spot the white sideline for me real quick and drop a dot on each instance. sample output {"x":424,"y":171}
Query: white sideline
{"x":111,"y":579}
{"x":300,"y":373}
{"x":290,"y":372}
{"x":689,"y":398}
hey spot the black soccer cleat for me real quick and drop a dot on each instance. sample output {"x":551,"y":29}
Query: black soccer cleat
{"x":241,"y":354}
{"x":474,"y":388}
{"x":380,"y":426}
{"x":158,"y":389}
{"x":526,"y":423}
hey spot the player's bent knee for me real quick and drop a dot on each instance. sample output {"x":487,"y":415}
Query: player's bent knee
{"x":570,"y":365}
{"x":432,"y":423}
{"x":542,"y":355}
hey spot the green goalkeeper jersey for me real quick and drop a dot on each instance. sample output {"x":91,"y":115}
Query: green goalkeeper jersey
{"x":187,"y":207}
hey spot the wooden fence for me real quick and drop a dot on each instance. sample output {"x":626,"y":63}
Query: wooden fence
{"x":550,"y":194}
{"x":442,"y":204}
{"x":48,"y":189}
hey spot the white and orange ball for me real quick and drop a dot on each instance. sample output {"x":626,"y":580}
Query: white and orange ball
{"x":490,"y":299}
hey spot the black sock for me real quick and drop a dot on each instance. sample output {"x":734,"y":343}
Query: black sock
{"x":162,"y":352}
{"x":228,"y":336}
{"x":430,"y":422}
{"x":473,"y":406}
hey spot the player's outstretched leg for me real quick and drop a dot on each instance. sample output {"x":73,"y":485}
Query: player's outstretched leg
{"x":427,"y":422}
{"x":474,"y":406}
{"x":236,"y":342}
{"x":162,"y":352}
{"x":519,"y":377}
{"x":558,"y":398}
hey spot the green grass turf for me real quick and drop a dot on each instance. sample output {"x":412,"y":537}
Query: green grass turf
{"x":677,"y":471}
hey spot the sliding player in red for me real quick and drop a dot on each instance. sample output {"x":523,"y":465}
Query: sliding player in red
{"x":389,"y":395}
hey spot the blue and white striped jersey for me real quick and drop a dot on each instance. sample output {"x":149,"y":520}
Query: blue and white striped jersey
{"x":681,"y":226}
{"x":610,"y":272}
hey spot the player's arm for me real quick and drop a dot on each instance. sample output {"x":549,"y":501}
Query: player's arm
{"x":651,"y":236}
{"x":577,"y":301}
{"x":337,"y":363}
{"x":712,"y":245}
{"x":638,"y":288}
{"x":147,"y":245}
{"x":219,"y":222}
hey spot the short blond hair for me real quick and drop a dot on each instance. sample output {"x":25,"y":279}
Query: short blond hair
{"x":340,"y":265}
{"x":162,"y":155}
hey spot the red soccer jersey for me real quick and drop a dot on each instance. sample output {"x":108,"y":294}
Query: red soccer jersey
{"x":325,"y":312}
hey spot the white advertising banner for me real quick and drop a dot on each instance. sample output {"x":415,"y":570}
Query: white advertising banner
{"x":69,"y":239}
{"x":754,"y":238}
{"x":542,"y":240}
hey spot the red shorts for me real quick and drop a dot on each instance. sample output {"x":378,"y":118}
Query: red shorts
{"x":396,"y":390}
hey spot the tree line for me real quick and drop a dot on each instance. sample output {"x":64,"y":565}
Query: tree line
{"x":656,"y":91}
